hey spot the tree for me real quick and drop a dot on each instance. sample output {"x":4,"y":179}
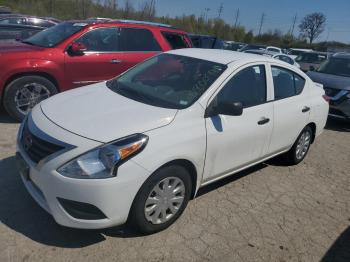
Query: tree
{"x":312,"y":26}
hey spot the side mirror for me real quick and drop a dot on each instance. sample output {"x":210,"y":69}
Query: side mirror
{"x":77,"y":49}
{"x":224,"y":108}
{"x":312,"y":68}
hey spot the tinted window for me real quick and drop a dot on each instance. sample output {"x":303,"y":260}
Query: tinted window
{"x":176,"y":41}
{"x":101,"y":40}
{"x":285,"y":59}
{"x":13,"y":21}
{"x":169,"y":81}
{"x":132,"y":39}
{"x":16,"y":33}
{"x":336,"y":66}
{"x":286,"y":83}
{"x":247,"y":86}
{"x":311,"y":58}
{"x":273,"y":49}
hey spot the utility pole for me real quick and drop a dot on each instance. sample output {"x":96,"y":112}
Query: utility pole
{"x":220,"y":9}
{"x":293,"y":25}
{"x":206,"y":13}
{"x":237,"y":17}
{"x":261,"y":22}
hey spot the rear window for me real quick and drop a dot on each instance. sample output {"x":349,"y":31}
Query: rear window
{"x":176,"y":41}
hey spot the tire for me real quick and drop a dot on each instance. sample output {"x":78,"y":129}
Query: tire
{"x":18,"y":89}
{"x":138,"y":217}
{"x":293,"y":156}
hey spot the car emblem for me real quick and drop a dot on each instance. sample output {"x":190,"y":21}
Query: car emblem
{"x":27,"y":142}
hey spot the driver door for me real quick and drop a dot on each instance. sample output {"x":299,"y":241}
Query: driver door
{"x":101,"y":61}
{"x":234,"y":142}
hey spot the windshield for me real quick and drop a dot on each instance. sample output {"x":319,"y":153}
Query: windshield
{"x":169,"y":81}
{"x":336,"y":66}
{"x":55,"y":35}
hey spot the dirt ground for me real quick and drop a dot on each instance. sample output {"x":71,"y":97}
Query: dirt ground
{"x":268,"y":213}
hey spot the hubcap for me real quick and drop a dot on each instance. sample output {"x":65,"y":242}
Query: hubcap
{"x":30,"y":95}
{"x":303,"y":144}
{"x":165,"y":200}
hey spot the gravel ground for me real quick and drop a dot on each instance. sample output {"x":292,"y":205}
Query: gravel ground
{"x":268,"y":213}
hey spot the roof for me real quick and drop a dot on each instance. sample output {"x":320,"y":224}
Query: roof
{"x":342,"y":55}
{"x":219,"y":55}
{"x":99,"y":20}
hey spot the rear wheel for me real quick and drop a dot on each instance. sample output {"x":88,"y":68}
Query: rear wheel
{"x":161,"y":199}
{"x":301,"y":147}
{"x":23,"y":93}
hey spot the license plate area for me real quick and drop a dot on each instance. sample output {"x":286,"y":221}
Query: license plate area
{"x":22,"y":166}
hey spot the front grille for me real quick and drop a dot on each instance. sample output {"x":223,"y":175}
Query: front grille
{"x":35,"y":147}
{"x":331,"y":91}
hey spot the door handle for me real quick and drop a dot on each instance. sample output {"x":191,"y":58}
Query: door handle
{"x":116,"y":61}
{"x":263,"y":121}
{"x":305,"y":109}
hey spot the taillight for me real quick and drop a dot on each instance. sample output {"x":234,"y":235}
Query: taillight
{"x":327,"y":98}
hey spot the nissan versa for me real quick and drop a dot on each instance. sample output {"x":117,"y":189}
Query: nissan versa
{"x":138,"y":147}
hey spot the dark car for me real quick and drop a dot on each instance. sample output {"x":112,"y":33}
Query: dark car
{"x":16,"y":19}
{"x":18,"y":32}
{"x":311,"y":60}
{"x":334,"y":74}
{"x":206,"y":41}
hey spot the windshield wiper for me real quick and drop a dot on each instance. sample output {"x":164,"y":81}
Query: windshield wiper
{"x":27,"y":42}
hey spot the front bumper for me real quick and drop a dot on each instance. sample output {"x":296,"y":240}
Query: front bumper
{"x":113,"y":196}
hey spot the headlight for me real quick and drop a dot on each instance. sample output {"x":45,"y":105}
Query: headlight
{"x":104,"y":161}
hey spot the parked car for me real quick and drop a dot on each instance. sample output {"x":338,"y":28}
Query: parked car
{"x":252,"y":47}
{"x":74,"y":54}
{"x":279,"y":56}
{"x":233,"y":46}
{"x":139,"y":147}
{"x":334,"y":75}
{"x":5,"y":10}
{"x":274,"y":49}
{"x":16,"y":19}
{"x":18,"y":32}
{"x":206,"y":41}
{"x":295,"y":52}
{"x":310,"y":60}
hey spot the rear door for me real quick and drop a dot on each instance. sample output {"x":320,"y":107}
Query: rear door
{"x":291,"y":108}
{"x":137,"y":45}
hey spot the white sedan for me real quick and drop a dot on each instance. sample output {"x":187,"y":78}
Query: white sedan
{"x":138,"y":147}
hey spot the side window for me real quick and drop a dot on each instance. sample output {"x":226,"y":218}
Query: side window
{"x":286,"y":83}
{"x":134,"y":39}
{"x":248,"y":87}
{"x":12,"y":21}
{"x":176,"y":41}
{"x":100,"y":40}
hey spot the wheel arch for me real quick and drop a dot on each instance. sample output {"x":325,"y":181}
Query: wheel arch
{"x":312,"y":125}
{"x":39,"y":73}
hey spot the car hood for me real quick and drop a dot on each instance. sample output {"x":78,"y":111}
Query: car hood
{"x":98,"y":113}
{"x":333,"y":81}
{"x":12,"y":46}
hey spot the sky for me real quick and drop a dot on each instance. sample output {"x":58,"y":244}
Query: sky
{"x":279,"y":14}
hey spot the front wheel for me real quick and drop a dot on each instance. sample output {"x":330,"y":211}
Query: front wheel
{"x":301,"y":147}
{"x":161,"y":200}
{"x":23,"y":93}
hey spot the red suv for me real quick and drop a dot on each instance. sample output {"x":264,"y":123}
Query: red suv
{"x":77,"y":53}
